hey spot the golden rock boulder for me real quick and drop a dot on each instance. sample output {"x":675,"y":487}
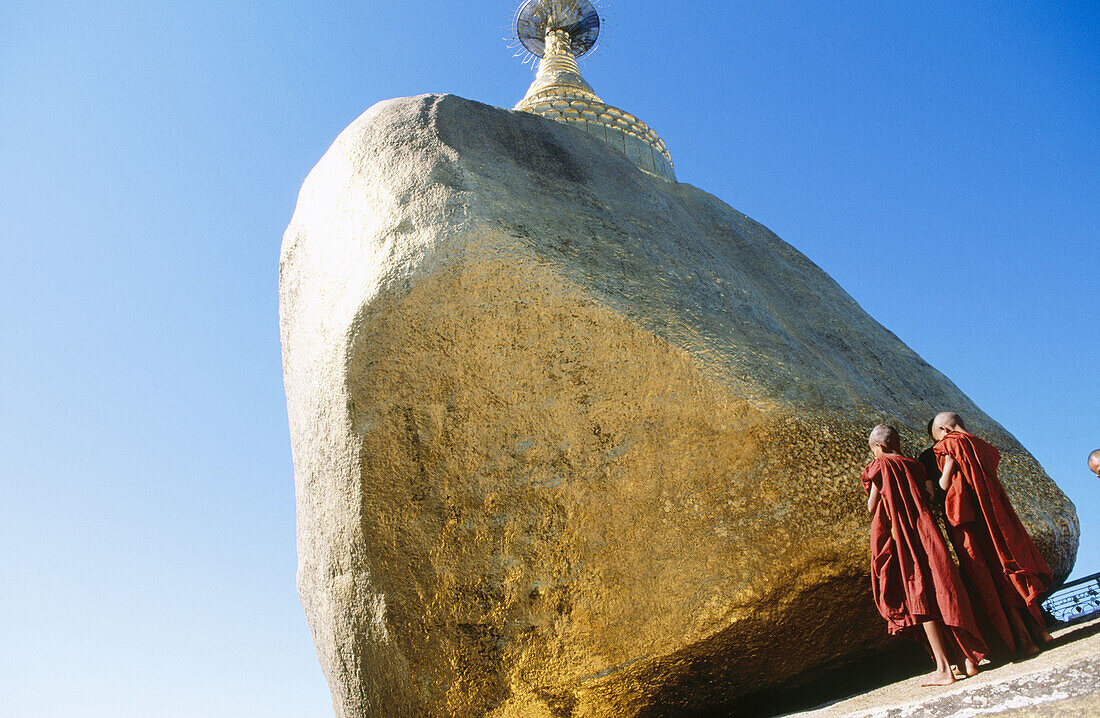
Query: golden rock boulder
{"x":571,"y":440}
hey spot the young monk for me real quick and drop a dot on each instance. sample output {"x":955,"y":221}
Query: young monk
{"x":1094,"y":462}
{"x":996,"y":553}
{"x":913,"y":580}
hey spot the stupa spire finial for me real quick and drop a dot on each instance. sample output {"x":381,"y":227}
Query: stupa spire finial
{"x":558,"y":71}
{"x":558,"y":32}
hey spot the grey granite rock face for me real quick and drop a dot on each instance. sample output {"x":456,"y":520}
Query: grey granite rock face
{"x":573,"y":441}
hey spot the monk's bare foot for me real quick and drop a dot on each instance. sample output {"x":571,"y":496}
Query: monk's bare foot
{"x":970,"y":667}
{"x":1045,"y":638}
{"x":939,"y":678}
{"x":1028,"y":650}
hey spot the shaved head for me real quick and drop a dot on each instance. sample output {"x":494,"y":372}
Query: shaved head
{"x":885,"y":436}
{"x":1094,"y":462}
{"x":944,"y":422}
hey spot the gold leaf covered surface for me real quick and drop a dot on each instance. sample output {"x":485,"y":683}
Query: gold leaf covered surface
{"x":572,"y":441}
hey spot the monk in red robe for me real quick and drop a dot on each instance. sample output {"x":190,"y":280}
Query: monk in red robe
{"x":913,"y":579}
{"x":996,"y":553}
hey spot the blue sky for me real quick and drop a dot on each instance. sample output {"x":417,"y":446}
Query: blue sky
{"x":939,"y":160}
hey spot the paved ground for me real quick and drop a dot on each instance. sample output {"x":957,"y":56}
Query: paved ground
{"x":1062,"y":681}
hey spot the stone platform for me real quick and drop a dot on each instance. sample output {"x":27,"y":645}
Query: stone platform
{"x":1062,"y":681}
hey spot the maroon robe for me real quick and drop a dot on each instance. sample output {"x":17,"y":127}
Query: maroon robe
{"x":987,"y":533}
{"x":913,"y":578}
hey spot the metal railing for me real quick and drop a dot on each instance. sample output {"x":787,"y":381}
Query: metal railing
{"x":1075,"y":601}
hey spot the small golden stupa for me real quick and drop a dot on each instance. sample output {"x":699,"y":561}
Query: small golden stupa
{"x":558,"y":32}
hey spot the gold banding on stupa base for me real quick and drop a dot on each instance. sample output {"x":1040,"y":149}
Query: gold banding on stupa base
{"x":560,"y":93}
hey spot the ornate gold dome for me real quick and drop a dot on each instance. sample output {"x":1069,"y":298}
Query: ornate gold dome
{"x":560,"y":93}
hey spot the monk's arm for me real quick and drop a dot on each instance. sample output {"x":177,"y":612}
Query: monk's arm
{"x":872,"y":499}
{"x":948,"y":473}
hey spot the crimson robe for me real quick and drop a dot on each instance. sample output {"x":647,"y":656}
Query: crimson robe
{"x":913,"y":578}
{"x":986,"y":527}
